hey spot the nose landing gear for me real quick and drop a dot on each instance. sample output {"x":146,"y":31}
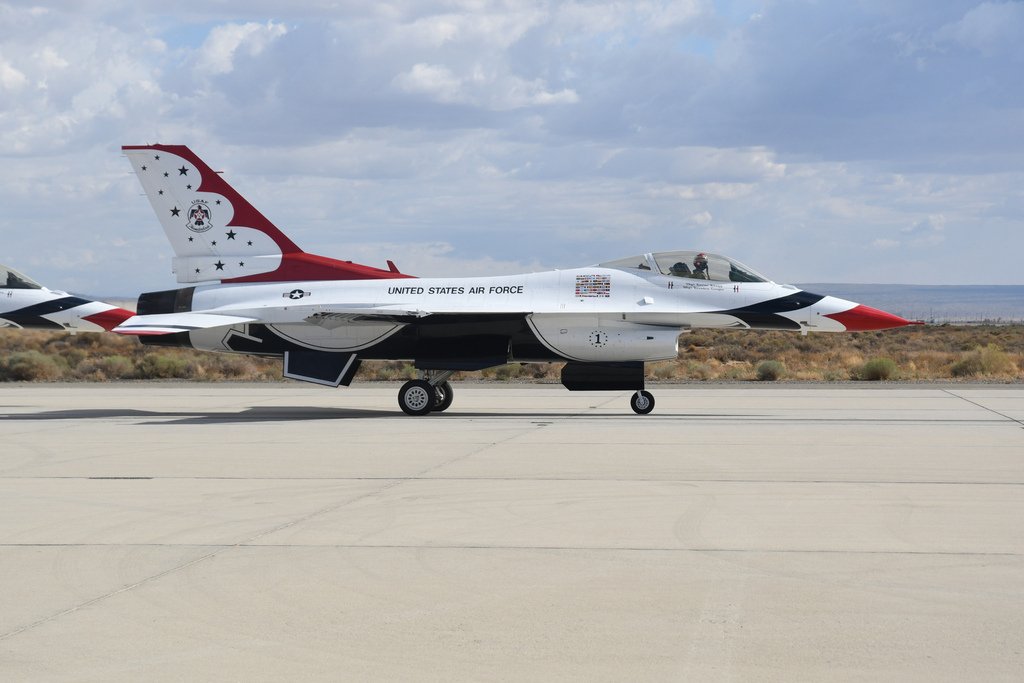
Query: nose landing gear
{"x":642,"y":402}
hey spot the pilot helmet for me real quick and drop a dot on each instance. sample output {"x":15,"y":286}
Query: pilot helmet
{"x":700,"y":260}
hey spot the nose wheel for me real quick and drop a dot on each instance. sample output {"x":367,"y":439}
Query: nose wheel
{"x":642,"y":402}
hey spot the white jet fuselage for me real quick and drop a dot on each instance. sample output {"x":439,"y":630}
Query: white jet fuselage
{"x":585,"y":314}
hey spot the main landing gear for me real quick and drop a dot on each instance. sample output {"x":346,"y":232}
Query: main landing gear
{"x":432,"y":393}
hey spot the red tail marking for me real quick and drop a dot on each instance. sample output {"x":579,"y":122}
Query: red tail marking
{"x":296,"y":265}
{"x":304,"y":267}
{"x":108,"y":320}
{"x":246,"y":214}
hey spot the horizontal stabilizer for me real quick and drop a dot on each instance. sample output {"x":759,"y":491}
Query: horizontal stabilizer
{"x":171,"y":323}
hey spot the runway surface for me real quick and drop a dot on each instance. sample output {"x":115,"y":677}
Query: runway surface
{"x":290,"y":532}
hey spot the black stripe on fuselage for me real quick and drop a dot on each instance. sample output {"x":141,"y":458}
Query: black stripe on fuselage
{"x":437,"y":339}
{"x":765,"y":314}
{"x":31,"y":317}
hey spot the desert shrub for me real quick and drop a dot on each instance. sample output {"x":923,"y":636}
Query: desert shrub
{"x":851,"y":360}
{"x":876,"y":369}
{"x":107,"y":367}
{"x":931,"y":363}
{"x":697,"y":370}
{"x":535,"y":370}
{"x":726,"y":352}
{"x":988,"y":360}
{"x":229,"y":366}
{"x":159,"y":366}
{"x":769,"y":371}
{"x":73,"y":356}
{"x":373,"y":370}
{"x":508,"y":371}
{"x":386,"y":370}
{"x":736,"y":372}
{"x":665,"y":370}
{"x":968,"y":366}
{"x":804,"y":344}
{"x":29,"y":366}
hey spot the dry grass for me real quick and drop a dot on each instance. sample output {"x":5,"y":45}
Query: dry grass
{"x":922,"y":353}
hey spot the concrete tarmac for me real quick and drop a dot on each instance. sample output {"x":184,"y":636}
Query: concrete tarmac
{"x":291,"y":532}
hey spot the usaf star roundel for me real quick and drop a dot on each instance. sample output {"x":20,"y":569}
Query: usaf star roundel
{"x":199,"y":217}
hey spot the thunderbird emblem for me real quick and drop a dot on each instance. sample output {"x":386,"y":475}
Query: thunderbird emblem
{"x":199,"y":217}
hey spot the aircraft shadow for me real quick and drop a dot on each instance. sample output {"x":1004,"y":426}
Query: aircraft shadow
{"x":255,"y":414}
{"x":305,"y":413}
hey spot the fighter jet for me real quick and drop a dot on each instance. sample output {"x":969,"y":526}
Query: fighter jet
{"x":24,"y":303}
{"x":252,"y":290}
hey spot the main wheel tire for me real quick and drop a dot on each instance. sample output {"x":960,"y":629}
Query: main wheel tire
{"x":642,"y":402}
{"x":443,"y":396}
{"x":416,"y":397}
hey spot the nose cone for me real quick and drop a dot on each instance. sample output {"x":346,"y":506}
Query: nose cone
{"x":859,"y":318}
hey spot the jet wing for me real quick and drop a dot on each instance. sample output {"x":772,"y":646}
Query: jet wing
{"x":171,"y":323}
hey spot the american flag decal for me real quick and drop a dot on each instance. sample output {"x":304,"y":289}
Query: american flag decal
{"x":593,"y":285}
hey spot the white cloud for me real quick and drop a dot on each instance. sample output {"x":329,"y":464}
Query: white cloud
{"x":10,"y":78}
{"x":217,"y":53}
{"x":433,"y":80}
{"x":928,"y":231}
{"x":702,"y":218}
{"x":491,"y":29}
{"x":498,"y":92}
{"x":991,"y":28}
{"x":475,"y":136}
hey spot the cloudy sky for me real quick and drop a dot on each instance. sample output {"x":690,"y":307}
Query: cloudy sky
{"x":856,"y":141}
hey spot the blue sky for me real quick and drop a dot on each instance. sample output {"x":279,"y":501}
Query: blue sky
{"x":816,"y":141}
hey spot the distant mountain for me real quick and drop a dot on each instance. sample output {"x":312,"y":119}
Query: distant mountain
{"x":935,"y":303}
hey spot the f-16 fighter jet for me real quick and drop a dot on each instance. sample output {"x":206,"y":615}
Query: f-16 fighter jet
{"x":27,"y":304}
{"x":250,"y":289}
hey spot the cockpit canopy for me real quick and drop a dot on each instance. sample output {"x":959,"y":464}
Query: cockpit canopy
{"x":700,"y":265}
{"x":12,"y":279}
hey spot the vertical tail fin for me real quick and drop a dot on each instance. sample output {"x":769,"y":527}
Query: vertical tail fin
{"x":219,"y":236}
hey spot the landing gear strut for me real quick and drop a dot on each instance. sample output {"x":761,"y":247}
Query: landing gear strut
{"x":642,"y":402}
{"x":432,"y":392}
{"x":443,"y":395}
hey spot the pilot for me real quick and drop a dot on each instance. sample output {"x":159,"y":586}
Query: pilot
{"x":680,"y":269}
{"x":700,"y":266}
